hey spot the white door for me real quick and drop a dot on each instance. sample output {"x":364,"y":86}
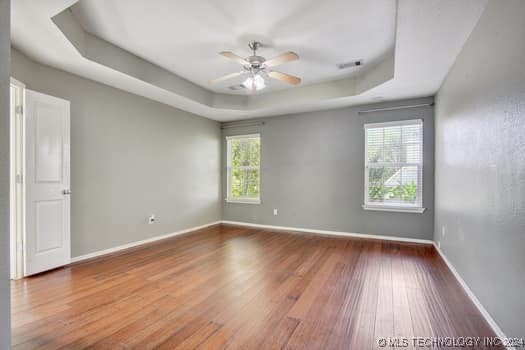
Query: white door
{"x":47,"y":177}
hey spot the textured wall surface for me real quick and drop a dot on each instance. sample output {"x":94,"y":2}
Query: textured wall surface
{"x":5,"y":324}
{"x":313,"y":173}
{"x":480,"y":164}
{"x":130,"y":157}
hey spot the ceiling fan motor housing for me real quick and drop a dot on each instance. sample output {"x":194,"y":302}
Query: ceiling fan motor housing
{"x":256,"y":62}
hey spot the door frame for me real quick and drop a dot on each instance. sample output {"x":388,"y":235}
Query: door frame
{"x":17,"y":183}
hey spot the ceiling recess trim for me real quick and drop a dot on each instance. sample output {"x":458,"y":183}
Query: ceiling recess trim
{"x":194,"y":98}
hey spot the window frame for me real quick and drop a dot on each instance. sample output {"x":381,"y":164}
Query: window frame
{"x":229,"y":197}
{"x":397,"y":207}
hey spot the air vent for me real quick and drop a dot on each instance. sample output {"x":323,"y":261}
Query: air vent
{"x":237,"y":87}
{"x":350,"y":64}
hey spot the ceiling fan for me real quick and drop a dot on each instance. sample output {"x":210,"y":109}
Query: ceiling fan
{"x":256,"y":67}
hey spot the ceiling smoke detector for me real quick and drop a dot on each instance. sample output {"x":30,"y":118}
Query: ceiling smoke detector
{"x":350,"y":64}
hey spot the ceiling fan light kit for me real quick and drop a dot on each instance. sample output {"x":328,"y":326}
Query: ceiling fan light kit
{"x":257,"y":66}
{"x":254,"y":83}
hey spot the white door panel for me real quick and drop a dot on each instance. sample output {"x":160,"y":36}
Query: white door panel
{"x":48,"y":143}
{"x":47,"y":239}
{"x":49,"y":215}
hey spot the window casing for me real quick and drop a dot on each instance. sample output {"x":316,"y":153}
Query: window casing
{"x":394,"y":166}
{"x":243,"y":168}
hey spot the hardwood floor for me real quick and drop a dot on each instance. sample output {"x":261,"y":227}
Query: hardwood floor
{"x":244,"y":288}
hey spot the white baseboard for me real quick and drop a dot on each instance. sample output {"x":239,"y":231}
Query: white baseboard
{"x":472,"y":296}
{"x":137,"y":243}
{"x":238,"y":223}
{"x":331,"y":233}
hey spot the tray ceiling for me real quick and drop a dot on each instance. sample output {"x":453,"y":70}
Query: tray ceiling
{"x":185,"y":36}
{"x":166,"y":50}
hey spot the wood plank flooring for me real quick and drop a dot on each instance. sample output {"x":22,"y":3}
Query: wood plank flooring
{"x":243,"y":288}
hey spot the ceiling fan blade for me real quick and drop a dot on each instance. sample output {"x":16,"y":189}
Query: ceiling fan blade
{"x":285,"y":57}
{"x":287,"y":78}
{"x":226,"y":77}
{"x":235,"y":57}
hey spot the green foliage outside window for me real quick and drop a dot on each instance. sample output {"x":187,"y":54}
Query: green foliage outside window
{"x":405,"y":193}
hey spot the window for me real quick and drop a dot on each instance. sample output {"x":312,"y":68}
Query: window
{"x":394,"y":166}
{"x":244,"y":168}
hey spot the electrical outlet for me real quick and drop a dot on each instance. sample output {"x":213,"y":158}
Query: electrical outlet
{"x":275,"y":212}
{"x":151,"y":219}
{"x":442,"y":231}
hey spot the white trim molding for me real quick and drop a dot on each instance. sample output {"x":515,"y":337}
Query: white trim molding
{"x":138,"y":243}
{"x":407,"y":209}
{"x":243,"y":201}
{"x":331,"y":233}
{"x":244,"y":136}
{"x":403,"y":122}
{"x":492,"y":323}
{"x":246,"y":224}
{"x":16,"y":182}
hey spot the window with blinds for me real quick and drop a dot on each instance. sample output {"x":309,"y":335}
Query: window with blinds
{"x":394,"y":165}
{"x":243,"y":168}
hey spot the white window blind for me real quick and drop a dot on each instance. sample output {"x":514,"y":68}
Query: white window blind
{"x":394,"y":165}
{"x":243,"y":168}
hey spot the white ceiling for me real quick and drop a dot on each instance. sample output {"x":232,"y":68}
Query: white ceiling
{"x":184,"y":36}
{"x":408,"y":49}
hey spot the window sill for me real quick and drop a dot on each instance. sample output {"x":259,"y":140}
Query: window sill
{"x":243,"y":201}
{"x":414,"y":210}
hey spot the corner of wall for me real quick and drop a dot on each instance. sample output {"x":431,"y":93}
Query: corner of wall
{"x":5,"y":310}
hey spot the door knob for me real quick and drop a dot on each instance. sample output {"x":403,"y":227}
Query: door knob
{"x":66,"y":192}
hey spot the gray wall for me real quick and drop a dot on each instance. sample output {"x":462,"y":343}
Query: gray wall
{"x":312,"y":172}
{"x":5,"y":324}
{"x":480,"y":164}
{"x":130,"y":157}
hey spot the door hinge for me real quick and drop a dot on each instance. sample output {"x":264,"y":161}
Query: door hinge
{"x":19,"y":178}
{"x":19,"y":110}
